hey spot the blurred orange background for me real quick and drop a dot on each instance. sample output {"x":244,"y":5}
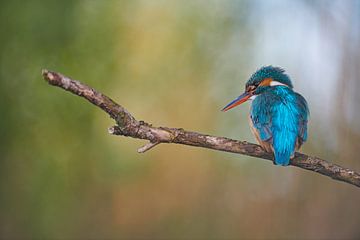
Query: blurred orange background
{"x":175,"y":64}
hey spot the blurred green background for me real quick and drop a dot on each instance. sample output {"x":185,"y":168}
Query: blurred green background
{"x":176,"y":64}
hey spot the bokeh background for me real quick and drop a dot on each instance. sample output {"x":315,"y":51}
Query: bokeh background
{"x":176,"y":64}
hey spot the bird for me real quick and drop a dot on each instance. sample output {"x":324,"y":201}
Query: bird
{"x":278,"y":115}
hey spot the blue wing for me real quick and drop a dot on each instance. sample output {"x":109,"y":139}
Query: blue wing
{"x":260,"y":115}
{"x":303,"y":114}
{"x":280,"y":117}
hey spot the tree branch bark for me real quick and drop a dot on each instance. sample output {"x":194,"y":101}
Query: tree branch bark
{"x":128,"y":126}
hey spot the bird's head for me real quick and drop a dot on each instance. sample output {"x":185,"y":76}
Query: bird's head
{"x":260,"y":81}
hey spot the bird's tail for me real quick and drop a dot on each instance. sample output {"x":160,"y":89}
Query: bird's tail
{"x":282,"y":158}
{"x":284,"y":147}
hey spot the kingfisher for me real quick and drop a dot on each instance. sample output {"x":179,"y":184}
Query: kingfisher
{"x":278,"y":115}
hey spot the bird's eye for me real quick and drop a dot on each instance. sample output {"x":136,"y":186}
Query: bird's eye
{"x":250,"y":88}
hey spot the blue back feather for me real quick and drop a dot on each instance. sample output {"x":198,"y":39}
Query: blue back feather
{"x":280,"y":115}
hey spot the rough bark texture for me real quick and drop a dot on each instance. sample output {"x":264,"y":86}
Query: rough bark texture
{"x":128,"y":126}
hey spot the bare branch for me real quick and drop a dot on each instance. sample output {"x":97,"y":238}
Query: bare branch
{"x":128,"y":126}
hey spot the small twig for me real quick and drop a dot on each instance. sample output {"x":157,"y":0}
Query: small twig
{"x":147,"y":147}
{"x":128,"y":126}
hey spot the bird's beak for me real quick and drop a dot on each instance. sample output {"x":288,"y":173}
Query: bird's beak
{"x":239,"y":100}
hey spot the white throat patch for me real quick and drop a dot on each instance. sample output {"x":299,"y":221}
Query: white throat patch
{"x":252,"y":97}
{"x":276,"y":83}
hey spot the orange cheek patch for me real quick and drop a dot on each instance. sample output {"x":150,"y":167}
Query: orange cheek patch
{"x":266,"y":82}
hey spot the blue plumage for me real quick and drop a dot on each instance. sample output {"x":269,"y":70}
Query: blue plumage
{"x":270,"y":72}
{"x":278,"y":115}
